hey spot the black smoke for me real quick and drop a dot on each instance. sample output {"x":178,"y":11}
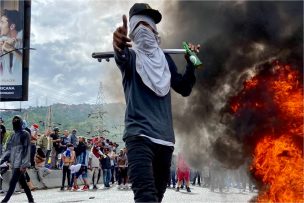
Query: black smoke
{"x":235,"y":38}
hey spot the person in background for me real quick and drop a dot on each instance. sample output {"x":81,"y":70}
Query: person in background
{"x":197,"y":174}
{"x":83,"y":172}
{"x":26,"y":175}
{"x":63,"y":145}
{"x":25,"y":127}
{"x":75,"y":168}
{"x":112,"y":156}
{"x":122,"y":163}
{"x":34,"y":137}
{"x":82,"y":157}
{"x":94,"y":165}
{"x":42,"y":143}
{"x":42,"y":171}
{"x":206,"y":175}
{"x":68,"y":159}
{"x":56,"y":147}
{"x":172,"y":172}
{"x":65,"y":140}
{"x":73,"y":138}
{"x":19,"y":152}
{"x":216,"y":175}
{"x":106,"y":168}
{"x":183,"y":173}
{"x":49,"y":146}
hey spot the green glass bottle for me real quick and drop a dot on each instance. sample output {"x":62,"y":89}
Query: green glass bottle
{"x":192,"y":56}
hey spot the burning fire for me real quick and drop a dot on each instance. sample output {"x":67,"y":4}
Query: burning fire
{"x":274,"y":98}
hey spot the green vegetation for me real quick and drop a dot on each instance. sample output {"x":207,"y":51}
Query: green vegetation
{"x":82,"y":117}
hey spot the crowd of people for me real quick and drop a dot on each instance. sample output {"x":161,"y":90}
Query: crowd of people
{"x":75,"y":155}
{"x":212,"y":175}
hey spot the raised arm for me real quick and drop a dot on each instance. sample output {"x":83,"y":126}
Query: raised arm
{"x":121,"y":43}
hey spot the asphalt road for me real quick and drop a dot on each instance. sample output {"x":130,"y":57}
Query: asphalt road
{"x":113,"y":195}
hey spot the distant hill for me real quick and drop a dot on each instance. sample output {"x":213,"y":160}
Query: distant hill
{"x":82,"y":117}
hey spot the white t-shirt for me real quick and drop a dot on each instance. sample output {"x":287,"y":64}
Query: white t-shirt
{"x":94,"y":161}
{"x":75,"y":168}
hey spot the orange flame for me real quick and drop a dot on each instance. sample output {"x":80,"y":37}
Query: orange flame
{"x":279,"y":164}
{"x":278,"y":151}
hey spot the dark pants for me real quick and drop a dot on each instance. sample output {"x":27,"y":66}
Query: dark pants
{"x":172,"y":178}
{"x":123,"y":176}
{"x":33,"y":152}
{"x":66,"y":172}
{"x":27,"y":177}
{"x":149,"y":168}
{"x":116,"y":173}
{"x":112,"y":174}
{"x":18,"y":176}
{"x":198,"y":176}
{"x":106,"y":177}
{"x":72,"y":179}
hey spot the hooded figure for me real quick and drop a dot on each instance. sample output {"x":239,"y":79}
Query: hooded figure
{"x":18,"y":146}
{"x":148,"y":74}
{"x":18,"y":152}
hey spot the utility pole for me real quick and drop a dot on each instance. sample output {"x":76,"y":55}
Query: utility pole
{"x":48,"y":123}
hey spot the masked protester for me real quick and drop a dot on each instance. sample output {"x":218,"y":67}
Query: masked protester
{"x":148,"y":75}
{"x":18,"y":151}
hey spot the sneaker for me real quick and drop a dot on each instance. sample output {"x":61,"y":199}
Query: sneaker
{"x":62,"y":189}
{"x":95,"y":187}
{"x":119,"y":187}
{"x":85,"y":188}
{"x":75,"y":188}
{"x":125,"y":187}
{"x":188,"y":189}
{"x":177,"y":189}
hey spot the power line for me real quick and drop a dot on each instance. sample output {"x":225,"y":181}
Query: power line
{"x":99,"y":112}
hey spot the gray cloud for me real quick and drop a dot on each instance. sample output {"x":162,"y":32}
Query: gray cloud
{"x":65,"y":33}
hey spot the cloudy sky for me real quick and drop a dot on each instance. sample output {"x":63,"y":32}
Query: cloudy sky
{"x":65,"y":33}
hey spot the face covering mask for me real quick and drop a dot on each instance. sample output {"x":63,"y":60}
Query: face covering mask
{"x":145,"y":39}
{"x":17,"y":123}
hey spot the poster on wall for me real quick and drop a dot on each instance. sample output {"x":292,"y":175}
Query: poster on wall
{"x":14,"y":49}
